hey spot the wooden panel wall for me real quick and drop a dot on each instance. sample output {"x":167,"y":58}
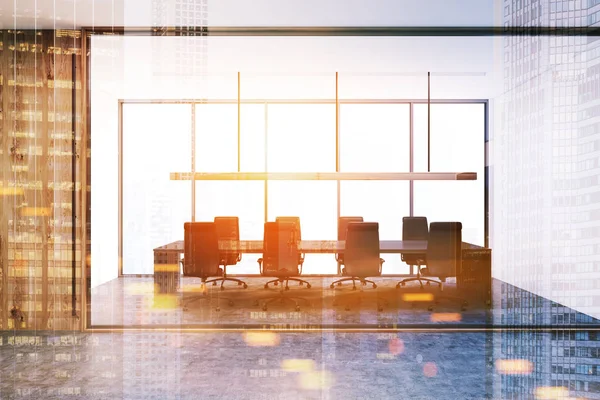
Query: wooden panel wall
{"x":38,"y":123}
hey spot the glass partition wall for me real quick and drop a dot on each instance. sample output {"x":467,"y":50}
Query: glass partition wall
{"x":295,"y":136}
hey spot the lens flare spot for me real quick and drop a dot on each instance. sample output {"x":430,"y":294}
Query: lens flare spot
{"x":164,"y":301}
{"x":36,"y":211}
{"x":514,"y":367}
{"x":297,"y":365}
{"x":315,"y":380}
{"x":260,"y":338}
{"x":551,"y":393}
{"x":10,"y":191}
{"x":446,"y":317}
{"x":417,"y":297}
{"x":430,"y":369}
{"x":396,"y":346}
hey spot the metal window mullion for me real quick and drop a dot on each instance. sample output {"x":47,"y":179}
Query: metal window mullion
{"x":193,"y":145}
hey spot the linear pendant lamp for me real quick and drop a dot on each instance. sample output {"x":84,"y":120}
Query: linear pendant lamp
{"x":330,"y":176}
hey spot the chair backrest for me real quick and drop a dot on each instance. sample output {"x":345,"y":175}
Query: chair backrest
{"x":361,"y":252}
{"x":228,"y":228}
{"x":280,"y":248}
{"x":343,"y":225}
{"x":414,"y":228}
{"x":201,"y":250}
{"x":444,"y":249}
{"x":295,"y":221}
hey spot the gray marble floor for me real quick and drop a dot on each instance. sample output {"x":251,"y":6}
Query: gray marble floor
{"x":275,"y":365}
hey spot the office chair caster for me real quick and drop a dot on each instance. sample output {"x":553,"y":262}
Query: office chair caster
{"x":222,"y":288}
{"x":275,"y":283}
{"x":297,"y":308}
{"x":301,"y":283}
{"x":308,"y":286}
{"x":266,"y":285}
{"x":353,"y":287}
{"x":374,"y":286}
{"x":245,"y":286}
{"x":287,"y":288}
{"x":400,"y":284}
{"x":379,"y":308}
{"x":217,"y":309}
{"x":264,"y":308}
{"x":339,"y":284}
{"x":427,"y":283}
{"x":331,"y":286}
{"x":430,"y":308}
{"x":214,"y":283}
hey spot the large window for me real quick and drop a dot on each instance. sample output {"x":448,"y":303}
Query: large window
{"x":296,"y":137}
{"x":154,"y":207}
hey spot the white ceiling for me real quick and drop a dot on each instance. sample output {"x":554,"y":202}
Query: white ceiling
{"x":50,"y":14}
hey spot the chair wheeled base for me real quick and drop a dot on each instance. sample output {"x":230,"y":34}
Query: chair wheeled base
{"x":223,"y":279}
{"x":275,"y":282}
{"x":420,"y":279}
{"x":353,"y":279}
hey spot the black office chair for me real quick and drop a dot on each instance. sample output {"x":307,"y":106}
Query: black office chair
{"x":444,"y":254}
{"x":296,"y":222}
{"x":228,"y":230}
{"x":414,"y":228}
{"x":341,"y":236}
{"x":280,"y":258}
{"x":201,"y":254}
{"x":361,"y":253}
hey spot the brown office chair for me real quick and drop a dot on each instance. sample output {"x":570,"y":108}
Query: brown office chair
{"x":341,"y":236}
{"x":228,"y":230}
{"x":296,"y":222}
{"x":201,"y":254}
{"x":280,"y":258}
{"x":361,"y":253}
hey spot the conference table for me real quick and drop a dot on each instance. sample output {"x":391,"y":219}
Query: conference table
{"x":475,"y":268}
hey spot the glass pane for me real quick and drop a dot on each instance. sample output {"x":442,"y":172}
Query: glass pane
{"x":216,"y":137}
{"x":385,"y":202}
{"x":316,"y":205}
{"x":457,"y":145}
{"x":242,"y":199}
{"x":374,"y":138}
{"x":154,"y":207}
{"x":301,"y":138}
